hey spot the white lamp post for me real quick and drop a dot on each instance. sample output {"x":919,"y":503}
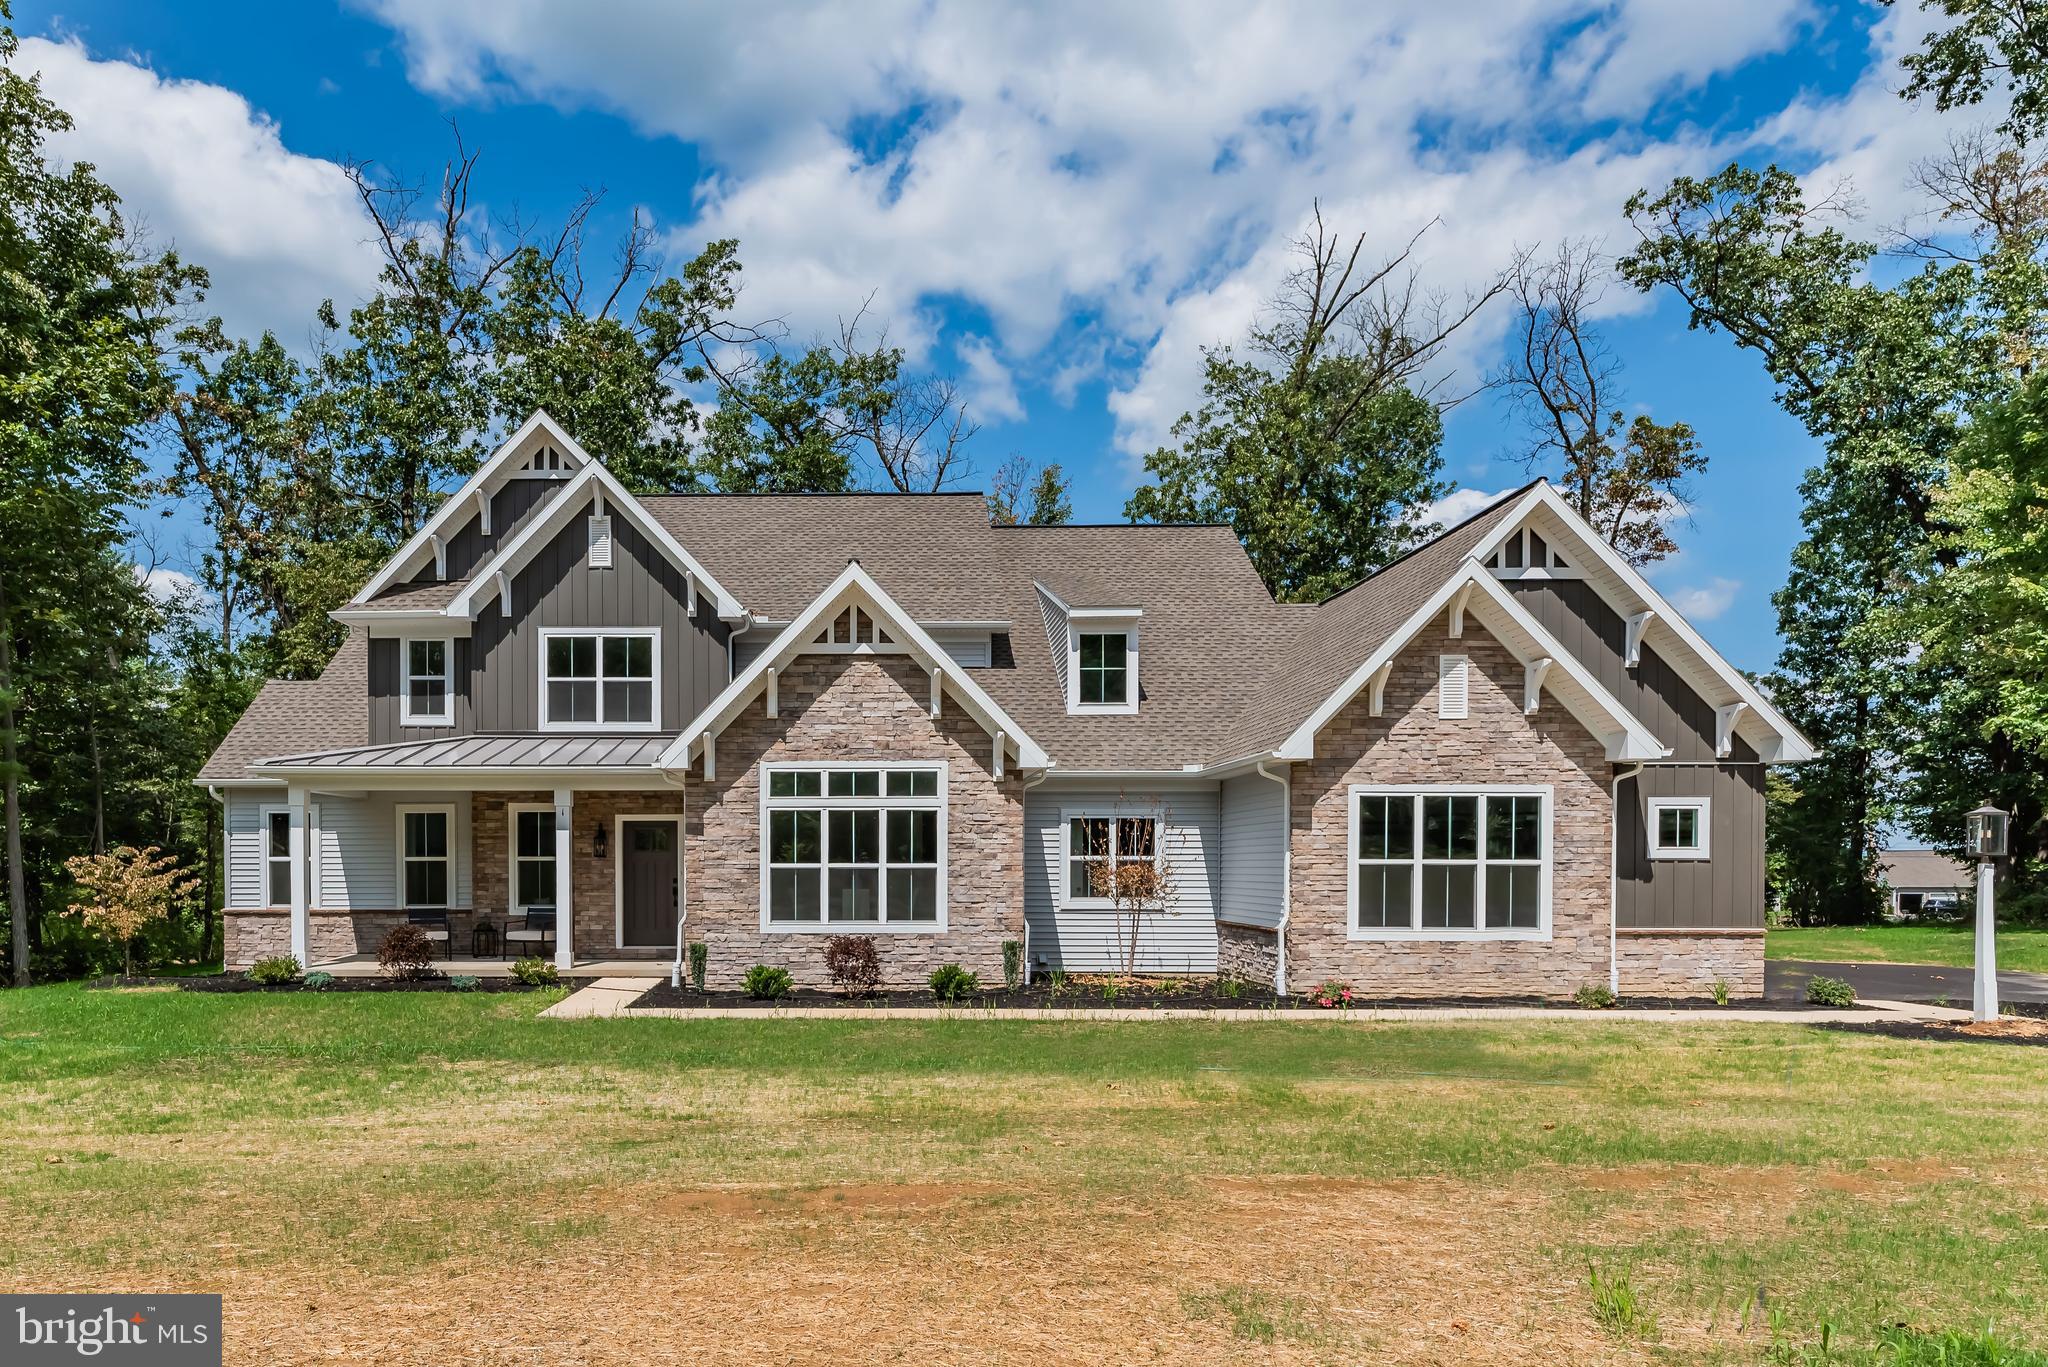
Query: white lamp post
{"x":1986,"y":839}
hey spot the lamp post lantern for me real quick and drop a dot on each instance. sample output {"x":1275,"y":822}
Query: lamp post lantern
{"x":1986,"y":836}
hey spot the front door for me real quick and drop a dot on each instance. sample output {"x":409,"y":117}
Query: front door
{"x":650,"y":867}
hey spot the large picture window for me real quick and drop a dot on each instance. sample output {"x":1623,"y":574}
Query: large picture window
{"x":854,"y":846}
{"x":1450,"y":862}
{"x":425,"y":869}
{"x":599,"y":682}
{"x":533,"y":857}
{"x":424,"y":691}
{"x":1106,"y":838}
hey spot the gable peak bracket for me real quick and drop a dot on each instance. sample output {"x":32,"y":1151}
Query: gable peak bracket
{"x":1376,"y":690}
{"x":1532,"y":684}
{"x":1458,"y":601}
{"x":1724,"y":728}
{"x":1632,"y":646}
{"x":483,"y":510}
{"x":504,"y":593}
{"x":440,"y":555}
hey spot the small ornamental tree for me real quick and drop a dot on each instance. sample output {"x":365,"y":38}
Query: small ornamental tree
{"x":122,"y":891}
{"x":1137,"y":882}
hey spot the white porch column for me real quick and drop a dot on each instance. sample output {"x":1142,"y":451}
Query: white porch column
{"x":565,"y":849}
{"x":296,"y":798}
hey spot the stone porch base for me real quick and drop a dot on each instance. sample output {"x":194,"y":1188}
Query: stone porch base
{"x":1687,"y":963}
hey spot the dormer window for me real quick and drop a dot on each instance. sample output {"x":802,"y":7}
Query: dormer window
{"x":1102,"y":661}
{"x":423,"y":693}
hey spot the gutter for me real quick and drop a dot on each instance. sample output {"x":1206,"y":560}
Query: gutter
{"x":1286,"y":874}
{"x":746,"y":625}
{"x":1614,"y":882}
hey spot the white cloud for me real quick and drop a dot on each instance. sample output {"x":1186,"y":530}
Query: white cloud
{"x":1705,"y":602}
{"x":201,"y":170}
{"x":169,"y":586}
{"x":1458,"y":505}
{"x":991,"y":388}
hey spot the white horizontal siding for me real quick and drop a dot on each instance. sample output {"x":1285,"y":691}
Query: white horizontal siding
{"x":355,"y":848}
{"x":1086,"y":939}
{"x":1253,"y":888}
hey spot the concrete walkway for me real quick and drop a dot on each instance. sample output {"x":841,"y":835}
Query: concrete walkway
{"x":612,"y":997}
{"x":1785,"y":980}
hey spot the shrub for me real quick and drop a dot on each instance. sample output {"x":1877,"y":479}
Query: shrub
{"x":1109,"y":991}
{"x":1334,"y":996}
{"x":1830,"y":992}
{"x":407,"y":954}
{"x":319,"y":978}
{"x":465,"y":982}
{"x":1721,"y":992}
{"x":1013,"y":963}
{"x":280,"y":968}
{"x":535,"y":971}
{"x":766,"y":984}
{"x":853,"y":963}
{"x":1617,"y":1306}
{"x":952,"y":983}
{"x":1594,"y":996}
{"x":700,"y":954}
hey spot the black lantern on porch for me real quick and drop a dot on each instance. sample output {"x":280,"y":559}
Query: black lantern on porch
{"x":600,"y":843}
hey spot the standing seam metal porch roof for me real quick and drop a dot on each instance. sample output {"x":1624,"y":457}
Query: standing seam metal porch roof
{"x":489,"y":752}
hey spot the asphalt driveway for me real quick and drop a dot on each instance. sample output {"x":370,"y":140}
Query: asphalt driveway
{"x":1785,"y":979}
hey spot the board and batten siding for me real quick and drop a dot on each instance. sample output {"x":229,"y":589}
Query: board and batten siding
{"x":354,"y":842}
{"x":1724,"y":890}
{"x":1085,"y":939}
{"x":386,"y":676}
{"x":558,"y":588}
{"x":512,"y":507}
{"x":1252,"y":887}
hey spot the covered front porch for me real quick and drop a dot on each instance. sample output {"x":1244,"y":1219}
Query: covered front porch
{"x":579,"y":862}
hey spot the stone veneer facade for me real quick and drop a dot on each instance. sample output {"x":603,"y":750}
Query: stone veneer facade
{"x":1495,"y":743}
{"x":1687,"y":963}
{"x":1249,"y":953}
{"x":856,"y":707}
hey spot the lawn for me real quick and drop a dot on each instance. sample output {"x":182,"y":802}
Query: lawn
{"x":439,"y":1178}
{"x":2022,"y":951}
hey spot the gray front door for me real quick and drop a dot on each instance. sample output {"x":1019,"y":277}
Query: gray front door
{"x":650,"y":866}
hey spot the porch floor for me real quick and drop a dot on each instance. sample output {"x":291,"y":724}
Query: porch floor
{"x":365,"y":966}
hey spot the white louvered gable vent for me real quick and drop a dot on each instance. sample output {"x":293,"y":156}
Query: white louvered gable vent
{"x":600,"y":543}
{"x":1453,"y":691}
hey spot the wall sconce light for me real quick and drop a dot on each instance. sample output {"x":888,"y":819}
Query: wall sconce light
{"x":600,"y":843}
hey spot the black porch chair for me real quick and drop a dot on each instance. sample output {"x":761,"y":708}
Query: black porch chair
{"x":435,"y":926}
{"x":536,"y":928}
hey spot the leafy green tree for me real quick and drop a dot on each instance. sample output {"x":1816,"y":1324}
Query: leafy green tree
{"x":1320,"y":443}
{"x":1994,"y":44}
{"x":1033,"y":497}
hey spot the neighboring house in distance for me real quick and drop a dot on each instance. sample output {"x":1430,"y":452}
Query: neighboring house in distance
{"x":1501,"y":765}
{"x":1925,"y":880}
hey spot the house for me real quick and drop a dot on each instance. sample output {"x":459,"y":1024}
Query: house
{"x":1924,"y":880}
{"x":1503,"y":764}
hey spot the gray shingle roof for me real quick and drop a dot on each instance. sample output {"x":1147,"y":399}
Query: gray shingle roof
{"x":1225,"y":671}
{"x":434,"y":594}
{"x":300,"y":714}
{"x":1923,"y":869}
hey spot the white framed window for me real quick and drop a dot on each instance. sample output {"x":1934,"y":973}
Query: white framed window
{"x":532,"y":838}
{"x":426,"y":683}
{"x":1102,"y":661}
{"x":426,"y":863}
{"x":1103,"y":836}
{"x":1447,"y":861}
{"x":277,"y":857}
{"x":1680,"y":827}
{"x":853,"y":847}
{"x":600,"y":681}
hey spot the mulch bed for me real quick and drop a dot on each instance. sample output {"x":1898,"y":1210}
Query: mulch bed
{"x":1088,"y":995}
{"x":2018,"y":1023}
{"x":235,"y":982}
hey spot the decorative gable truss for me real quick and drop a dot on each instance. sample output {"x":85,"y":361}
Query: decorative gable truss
{"x":1471,"y":594}
{"x":854,"y":615}
{"x":596,"y":493}
{"x":1572,"y":549}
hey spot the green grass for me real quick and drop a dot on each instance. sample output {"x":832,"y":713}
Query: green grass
{"x":1599,"y":1191}
{"x":2022,"y":951}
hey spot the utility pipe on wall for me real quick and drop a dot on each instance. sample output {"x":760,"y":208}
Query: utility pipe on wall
{"x":1286,"y":875}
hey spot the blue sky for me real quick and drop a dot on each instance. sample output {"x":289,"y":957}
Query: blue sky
{"x":1058,"y":203}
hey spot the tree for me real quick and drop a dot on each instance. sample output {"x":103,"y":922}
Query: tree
{"x":1319,"y":446}
{"x":1031,"y":496}
{"x":124,"y":891}
{"x":1629,"y":479}
{"x":75,"y":378}
{"x":1884,"y":377}
{"x":1994,"y":43}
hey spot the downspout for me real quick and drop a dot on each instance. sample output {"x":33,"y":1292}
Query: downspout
{"x":731,"y":637}
{"x":1029,"y":784}
{"x":1286,"y":875}
{"x":1614,"y":883}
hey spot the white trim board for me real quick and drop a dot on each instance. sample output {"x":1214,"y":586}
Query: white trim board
{"x":1776,"y":739}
